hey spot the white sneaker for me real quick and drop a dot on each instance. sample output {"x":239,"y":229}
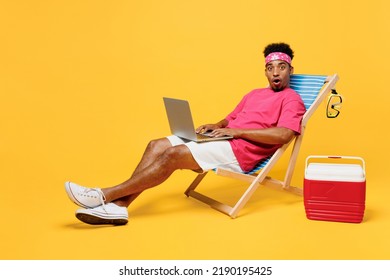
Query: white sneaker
{"x":109,"y":213}
{"x":84,"y":197}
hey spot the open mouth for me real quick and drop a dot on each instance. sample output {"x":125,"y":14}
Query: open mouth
{"x":276,"y":82}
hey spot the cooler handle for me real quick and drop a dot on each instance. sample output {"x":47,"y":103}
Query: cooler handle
{"x":338,"y":157}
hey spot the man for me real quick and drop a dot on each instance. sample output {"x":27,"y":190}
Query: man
{"x":264,"y":120}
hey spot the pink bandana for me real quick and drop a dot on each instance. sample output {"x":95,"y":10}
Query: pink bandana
{"x":278,"y":56}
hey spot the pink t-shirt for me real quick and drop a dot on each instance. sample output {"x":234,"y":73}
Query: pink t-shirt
{"x":264,"y":108}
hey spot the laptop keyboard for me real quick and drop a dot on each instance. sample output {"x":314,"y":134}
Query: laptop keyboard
{"x":202,"y":136}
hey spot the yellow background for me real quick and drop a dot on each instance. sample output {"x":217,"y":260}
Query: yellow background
{"x":78,"y":79}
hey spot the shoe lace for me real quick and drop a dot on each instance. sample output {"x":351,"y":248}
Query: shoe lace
{"x":101,"y":195}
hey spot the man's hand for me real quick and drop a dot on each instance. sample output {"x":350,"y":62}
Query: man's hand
{"x":219,"y":132}
{"x":207,"y":127}
{"x":212,"y":126}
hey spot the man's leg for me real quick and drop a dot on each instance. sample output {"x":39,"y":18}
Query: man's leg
{"x":154,"y":149}
{"x":159,"y":161}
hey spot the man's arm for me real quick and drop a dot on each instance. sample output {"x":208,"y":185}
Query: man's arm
{"x":272,"y":135}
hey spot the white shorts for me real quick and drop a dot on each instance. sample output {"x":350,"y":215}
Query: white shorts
{"x":210,"y":155}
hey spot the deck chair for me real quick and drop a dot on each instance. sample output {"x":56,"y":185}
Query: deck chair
{"x":313,"y":90}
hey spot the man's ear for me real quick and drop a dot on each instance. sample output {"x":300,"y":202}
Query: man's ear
{"x":291,"y":70}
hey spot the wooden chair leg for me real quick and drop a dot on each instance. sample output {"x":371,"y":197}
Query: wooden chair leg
{"x":195,"y":183}
{"x":293,"y":160}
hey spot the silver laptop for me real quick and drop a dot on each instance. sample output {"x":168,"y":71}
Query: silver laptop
{"x":181,"y":122}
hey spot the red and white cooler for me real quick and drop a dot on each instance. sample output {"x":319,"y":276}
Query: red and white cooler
{"x":335,"y":191}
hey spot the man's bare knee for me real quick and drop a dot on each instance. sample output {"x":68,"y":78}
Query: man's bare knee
{"x":158,"y":146}
{"x":180,"y":157}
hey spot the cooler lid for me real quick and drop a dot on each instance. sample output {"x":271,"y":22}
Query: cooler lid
{"x":335,"y":172}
